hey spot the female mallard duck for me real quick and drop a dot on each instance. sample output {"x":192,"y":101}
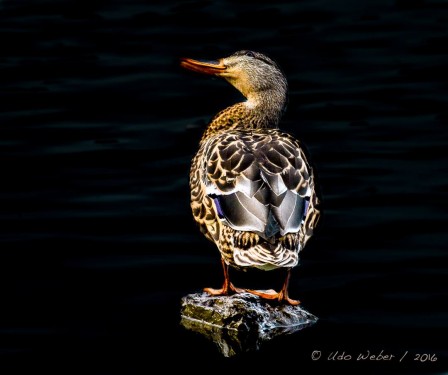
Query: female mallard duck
{"x":252,"y":189}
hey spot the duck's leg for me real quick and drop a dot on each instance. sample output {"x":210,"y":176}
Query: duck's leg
{"x":227,"y":286}
{"x":282,"y":296}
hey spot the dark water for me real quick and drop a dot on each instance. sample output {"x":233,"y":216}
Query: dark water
{"x":98,"y":125}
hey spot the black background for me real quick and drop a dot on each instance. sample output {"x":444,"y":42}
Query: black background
{"x":98,"y":124}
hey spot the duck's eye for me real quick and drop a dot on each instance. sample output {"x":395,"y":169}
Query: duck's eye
{"x":250,"y":54}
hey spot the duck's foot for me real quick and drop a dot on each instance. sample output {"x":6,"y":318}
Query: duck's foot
{"x":281,"y":297}
{"x":227,"y":286}
{"x":224,"y":291}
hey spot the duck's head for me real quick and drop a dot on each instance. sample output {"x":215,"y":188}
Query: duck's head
{"x":255,"y":75}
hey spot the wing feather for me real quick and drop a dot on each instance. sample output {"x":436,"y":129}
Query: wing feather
{"x":261,"y":179}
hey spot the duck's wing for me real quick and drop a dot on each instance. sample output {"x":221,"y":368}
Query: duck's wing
{"x":259,"y":180}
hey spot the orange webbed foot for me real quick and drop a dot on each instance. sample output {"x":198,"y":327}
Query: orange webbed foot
{"x":273,"y":295}
{"x":224,"y":291}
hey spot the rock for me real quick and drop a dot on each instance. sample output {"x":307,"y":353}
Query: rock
{"x":241,"y":322}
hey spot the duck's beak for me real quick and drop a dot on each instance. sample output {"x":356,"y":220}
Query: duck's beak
{"x":207,"y":67}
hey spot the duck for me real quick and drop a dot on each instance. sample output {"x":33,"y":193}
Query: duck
{"x":253,"y":190}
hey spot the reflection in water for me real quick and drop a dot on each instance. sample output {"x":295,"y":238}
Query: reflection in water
{"x":242,"y":322}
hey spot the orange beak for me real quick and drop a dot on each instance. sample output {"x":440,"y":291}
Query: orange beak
{"x":207,"y":67}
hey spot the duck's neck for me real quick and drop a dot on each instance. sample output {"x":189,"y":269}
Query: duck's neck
{"x":260,"y":110}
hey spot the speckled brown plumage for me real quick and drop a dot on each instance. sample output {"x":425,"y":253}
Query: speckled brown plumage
{"x":234,"y":117}
{"x":252,"y":188}
{"x":223,"y":157}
